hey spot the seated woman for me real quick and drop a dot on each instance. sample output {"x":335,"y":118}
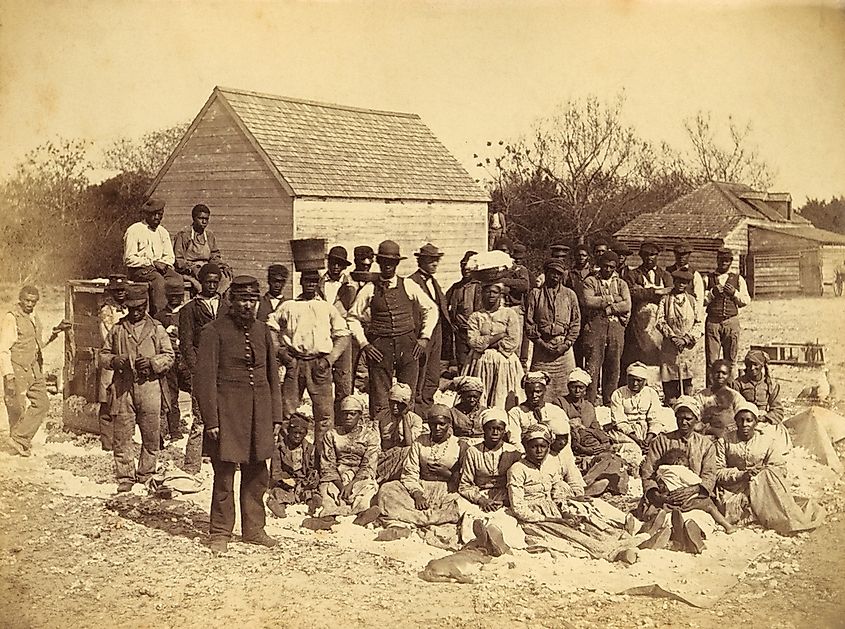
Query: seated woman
{"x":539,"y":500}
{"x":348,"y":462}
{"x":495,"y":335}
{"x":757,"y":387}
{"x":293,"y":473}
{"x":719,"y":402}
{"x":633,"y":413}
{"x":425,"y":495}
{"x":483,"y":484}
{"x":596,"y":455}
{"x":686,"y":528}
{"x":535,"y":409}
{"x":468,"y":408}
{"x":399,"y":429}
{"x":750,"y":478}
{"x":561,"y":449}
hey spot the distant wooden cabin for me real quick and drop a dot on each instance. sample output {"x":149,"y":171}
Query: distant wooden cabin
{"x":720,"y":214}
{"x":272,"y":169}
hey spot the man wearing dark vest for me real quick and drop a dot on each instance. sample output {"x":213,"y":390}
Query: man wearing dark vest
{"x":683,"y":251}
{"x":277,"y":277}
{"x":623,"y":251}
{"x":428,"y":258}
{"x":463,"y":298}
{"x":362,"y":256}
{"x":385,"y":308}
{"x":726,"y":293}
{"x":21,"y":362}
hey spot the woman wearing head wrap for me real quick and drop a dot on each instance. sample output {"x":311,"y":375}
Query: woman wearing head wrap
{"x":633,"y":414}
{"x":751,"y":483}
{"x":535,"y":409}
{"x":399,"y":429}
{"x":595,"y":453}
{"x":539,"y":498}
{"x":719,"y":402}
{"x":681,"y":322}
{"x":426,"y":494}
{"x":483,"y":484}
{"x":468,"y":407}
{"x":495,"y":335}
{"x":757,"y":386}
{"x":553,"y":322}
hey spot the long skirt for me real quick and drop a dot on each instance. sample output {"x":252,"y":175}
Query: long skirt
{"x":767,"y":499}
{"x":558,"y":368}
{"x":396,"y":504}
{"x":643,"y":341}
{"x":363,"y":492}
{"x":512,"y":533}
{"x":609,"y":466}
{"x":501,"y":375}
{"x":391,"y":464}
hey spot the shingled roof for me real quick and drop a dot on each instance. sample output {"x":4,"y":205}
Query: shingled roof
{"x":711,"y":211}
{"x":327,"y":150}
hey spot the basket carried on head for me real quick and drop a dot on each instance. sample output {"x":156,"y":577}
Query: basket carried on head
{"x":486,"y":276}
{"x":309,"y":254}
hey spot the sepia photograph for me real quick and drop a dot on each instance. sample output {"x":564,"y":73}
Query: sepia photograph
{"x":452,"y":314}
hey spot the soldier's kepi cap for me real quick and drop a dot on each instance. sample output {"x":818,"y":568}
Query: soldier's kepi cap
{"x":136,"y":294}
{"x":682,"y":274}
{"x":682,"y":248}
{"x":244,"y":286}
{"x":620,"y":248}
{"x":153,"y":205}
{"x":724,"y":252}
{"x":362,"y":252}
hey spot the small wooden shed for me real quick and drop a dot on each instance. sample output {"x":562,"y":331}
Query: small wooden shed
{"x":715,"y":215}
{"x":793,"y":260}
{"x":272,"y":169}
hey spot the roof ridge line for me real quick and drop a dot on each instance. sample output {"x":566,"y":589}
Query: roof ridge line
{"x":303,"y":101}
{"x":718,"y":185}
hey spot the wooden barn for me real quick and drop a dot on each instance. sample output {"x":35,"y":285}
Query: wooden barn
{"x":714,"y":215}
{"x":799,"y":260}
{"x":272,"y":169}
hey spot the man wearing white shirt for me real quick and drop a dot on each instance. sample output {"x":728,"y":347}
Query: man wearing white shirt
{"x":311,"y":335}
{"x":148,"y":253}
{"x":391,"y":344}
{"x":726,"y":293}
{"x":337,"y":288}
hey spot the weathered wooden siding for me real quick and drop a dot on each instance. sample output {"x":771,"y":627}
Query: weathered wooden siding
{"x":251,"y":214}
{"x":703,"y":257}
{"x":454,"y":227}
{"x":832,"y":256}
{"x":777,"y":275}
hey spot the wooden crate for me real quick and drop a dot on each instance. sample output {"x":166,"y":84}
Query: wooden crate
{"x":809,"y":354}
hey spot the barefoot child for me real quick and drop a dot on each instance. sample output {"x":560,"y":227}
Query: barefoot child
{"x":673,"y":473}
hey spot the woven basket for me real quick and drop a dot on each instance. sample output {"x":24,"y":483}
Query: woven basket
{"x":309,"y":254}
{"x":488,"y":275}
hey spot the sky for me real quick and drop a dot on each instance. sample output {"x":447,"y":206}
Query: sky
{"x":474,"y":71}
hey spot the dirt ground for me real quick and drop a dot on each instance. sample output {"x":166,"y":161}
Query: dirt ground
{"x":70,"y":559}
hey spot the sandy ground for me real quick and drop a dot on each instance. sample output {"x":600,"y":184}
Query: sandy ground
{"x":66,"y":557}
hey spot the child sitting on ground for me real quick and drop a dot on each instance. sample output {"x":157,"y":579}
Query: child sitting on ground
{"x":673,"y":473}
{"x":293,"y":474}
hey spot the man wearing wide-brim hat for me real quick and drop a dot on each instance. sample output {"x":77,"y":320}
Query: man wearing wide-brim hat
{"x":428,"y":381}
{"x":648,"y":284}
{"x":139,"y":352}
{"x":148,"y":252}
{"x":726,"y":292}
{"x":683,"y":251}
{"x":239,"y":398}
{"x":394,"y":342}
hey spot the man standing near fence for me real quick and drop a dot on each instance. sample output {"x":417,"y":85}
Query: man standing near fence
{"x":726,"y":293}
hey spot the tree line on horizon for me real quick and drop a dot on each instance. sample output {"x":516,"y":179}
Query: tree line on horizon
{"x":577,"y":174}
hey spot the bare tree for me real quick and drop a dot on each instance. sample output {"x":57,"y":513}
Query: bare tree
{"x":733,"y":159}
{"x":145,"y":155}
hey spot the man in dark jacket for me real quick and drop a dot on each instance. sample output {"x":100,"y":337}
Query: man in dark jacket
{"x":193,"y":317}
{"x":240,"y":402}
{"x":428,"y":258}
{"x":277,"y":277}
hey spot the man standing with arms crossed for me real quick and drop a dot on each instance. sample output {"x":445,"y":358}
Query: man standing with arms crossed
{"x":726,"y":293}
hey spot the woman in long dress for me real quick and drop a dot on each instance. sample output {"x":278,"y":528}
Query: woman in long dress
{"x":756,"y":386}
{"x":680,"y":322}
{"x":483,"y":487}
{"x":426,"y":494}
{"x":495,"y":336}
{"x":750,"y":480}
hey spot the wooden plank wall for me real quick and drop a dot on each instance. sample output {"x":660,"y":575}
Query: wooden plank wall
{"x":777,"y":274}
{"x":251,"y":215}
{"x":703,"y":257}
{"x":454,"y":227}
{"x":833,"y":256}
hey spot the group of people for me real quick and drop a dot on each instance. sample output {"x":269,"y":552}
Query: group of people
{"x":519,"y":459}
